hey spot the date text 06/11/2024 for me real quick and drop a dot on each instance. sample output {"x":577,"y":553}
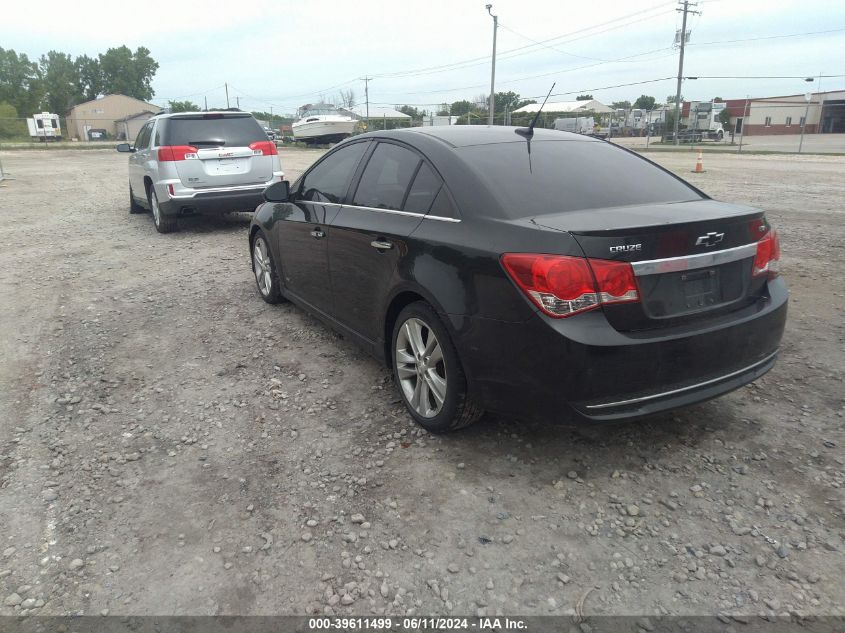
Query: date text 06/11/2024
{"x":416,"y":624}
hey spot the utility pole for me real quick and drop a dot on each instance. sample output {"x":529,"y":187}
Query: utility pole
{"x":744,"y":123}
{"x":238,"y":101}
{"x":205,"y":99}
{"x":366,"y":79}
{"x":493,"y":70}
{"x":226,"y":85}
{"x":683,"y":39}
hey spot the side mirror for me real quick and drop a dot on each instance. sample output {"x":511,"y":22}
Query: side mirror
{"x":278,"y":192}
{"x":124,"y":147}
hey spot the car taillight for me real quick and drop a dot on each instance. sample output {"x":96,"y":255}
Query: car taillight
{"x":767,"y":260}
{"x":263,"y":148}
{"x":562,"y":286}
{"x":170,"y":153}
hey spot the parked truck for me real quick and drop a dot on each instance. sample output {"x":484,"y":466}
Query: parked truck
{"x":578,"y":125}
{"x":44,"y":127}
{"x":704,"y":123}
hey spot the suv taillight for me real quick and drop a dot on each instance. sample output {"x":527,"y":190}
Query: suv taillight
{"x":562,"y":286}
{"x":170,"y":153}
{"x":767,"y":260}
{"x":263,"y":148}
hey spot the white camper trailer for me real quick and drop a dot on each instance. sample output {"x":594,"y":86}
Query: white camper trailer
{"x":44,"y":127}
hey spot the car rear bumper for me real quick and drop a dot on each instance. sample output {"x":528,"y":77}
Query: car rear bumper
{"x":551,"y":367}
{"x":213,"y":202}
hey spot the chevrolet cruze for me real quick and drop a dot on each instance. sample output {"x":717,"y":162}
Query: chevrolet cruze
{"x":525,"y":272}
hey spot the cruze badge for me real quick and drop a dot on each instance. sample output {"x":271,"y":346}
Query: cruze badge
{"x":711,"y":239}
{"x":626,"y":248}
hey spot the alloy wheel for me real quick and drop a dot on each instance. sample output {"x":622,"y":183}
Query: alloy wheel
{"x":421,"y":367}
{"x":262,"y":267}
{"x":154,"y":205}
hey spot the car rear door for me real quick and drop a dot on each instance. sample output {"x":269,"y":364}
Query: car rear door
{"x":213,"y":149}
{"x":138,"y":160}
{"x":305,"y":232}
{"x":395,"y":191}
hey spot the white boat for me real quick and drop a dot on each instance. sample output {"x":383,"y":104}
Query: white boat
{"x":323,"y":123}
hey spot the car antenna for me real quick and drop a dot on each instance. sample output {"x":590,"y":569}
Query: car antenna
{"x":528,"y":132}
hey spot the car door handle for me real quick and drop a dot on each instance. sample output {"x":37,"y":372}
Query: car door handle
{"x":381,"y":245}
{"x":317,"y":234}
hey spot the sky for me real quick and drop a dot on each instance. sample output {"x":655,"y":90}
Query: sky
{"x":280,"y":54}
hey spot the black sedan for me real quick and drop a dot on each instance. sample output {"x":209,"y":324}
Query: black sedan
{"x":544,"y":273}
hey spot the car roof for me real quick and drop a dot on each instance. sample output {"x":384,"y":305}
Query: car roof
{"x":467,"y":135}
{"x":224,"y":113}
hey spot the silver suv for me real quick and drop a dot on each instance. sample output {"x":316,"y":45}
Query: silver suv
{"x":199,"y":162}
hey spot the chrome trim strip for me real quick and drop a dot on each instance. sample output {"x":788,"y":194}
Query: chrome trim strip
{"x":377,"y":210}
{"x":232,"y":189}
{"x":690,"y":262}
{"x":683,"y":389}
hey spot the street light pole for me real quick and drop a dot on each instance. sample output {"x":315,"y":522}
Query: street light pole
{"x":806,"y":112}
{"x":493,"y":70}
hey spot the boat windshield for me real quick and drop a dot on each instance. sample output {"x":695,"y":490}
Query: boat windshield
{"x":319,"y":112}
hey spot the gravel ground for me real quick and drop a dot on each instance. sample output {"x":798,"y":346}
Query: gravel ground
{"x":169,"y":444}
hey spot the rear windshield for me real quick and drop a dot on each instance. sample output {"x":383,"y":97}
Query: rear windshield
{"x":570,"y":176}
{"x":212,"y":132}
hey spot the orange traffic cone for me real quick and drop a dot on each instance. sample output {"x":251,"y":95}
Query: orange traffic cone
{"x":699,"y":164}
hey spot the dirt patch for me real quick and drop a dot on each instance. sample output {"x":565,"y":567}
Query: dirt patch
{"x":173,"y":445}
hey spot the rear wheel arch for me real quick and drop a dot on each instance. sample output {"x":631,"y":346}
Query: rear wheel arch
{"x":397,"y":303}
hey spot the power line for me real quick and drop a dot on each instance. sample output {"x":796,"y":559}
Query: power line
{"x":521,"y":50}
{"x":768,"y":37}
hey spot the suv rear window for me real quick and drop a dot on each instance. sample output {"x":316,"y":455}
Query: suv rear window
{"x":213,"y":130}
{"x":571,"y":176}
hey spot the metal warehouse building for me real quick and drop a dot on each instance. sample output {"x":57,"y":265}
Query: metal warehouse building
{"x":825,"y":112}
{"x":120,"y":116}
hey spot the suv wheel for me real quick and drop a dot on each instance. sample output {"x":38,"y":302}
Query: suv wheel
{"x":428,"y":372}
{"x":134,"y":207}
{"x":162,"y":223}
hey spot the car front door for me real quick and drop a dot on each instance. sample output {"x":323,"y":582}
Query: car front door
{"x":138,"y":160}
{"x":395,"y":191}
{"x":305,"y":233}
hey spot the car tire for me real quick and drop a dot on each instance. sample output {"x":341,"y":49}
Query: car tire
{"x":134,"y":207}
{"x":421,"y":372}
{"x":163,"y":223}
{"x":265,"y":271}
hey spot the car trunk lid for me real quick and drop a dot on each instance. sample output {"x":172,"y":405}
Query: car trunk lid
{"x":230,"y":150}
{"x":692,"y":260}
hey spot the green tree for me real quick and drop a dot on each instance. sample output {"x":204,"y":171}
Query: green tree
{"x":460,"y":108}
{"x":89,"y":78}
{"x":183,"y":106}
{"x":128,"y":73}
{"x":443,"y":110}
{"x":411,"y":111}
{"x":510,"y":101}
{"x":671,"y":99}
{"x":644,"y":102}
{"x":59,"y":77}
{"x":20,"y":83}
{"x":621,"y":105}
{"x":584,"y":98}
{"x":725,"y":118}
{"x":10,"y":125}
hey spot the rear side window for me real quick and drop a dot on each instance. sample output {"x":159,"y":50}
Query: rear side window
{"x":330,"y":179}
{"x":214,"y":131}
{"x":386,"y":178}
{"x":423,"y":191}
{"x":570,"y":176}
{"x":143,"y":139}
